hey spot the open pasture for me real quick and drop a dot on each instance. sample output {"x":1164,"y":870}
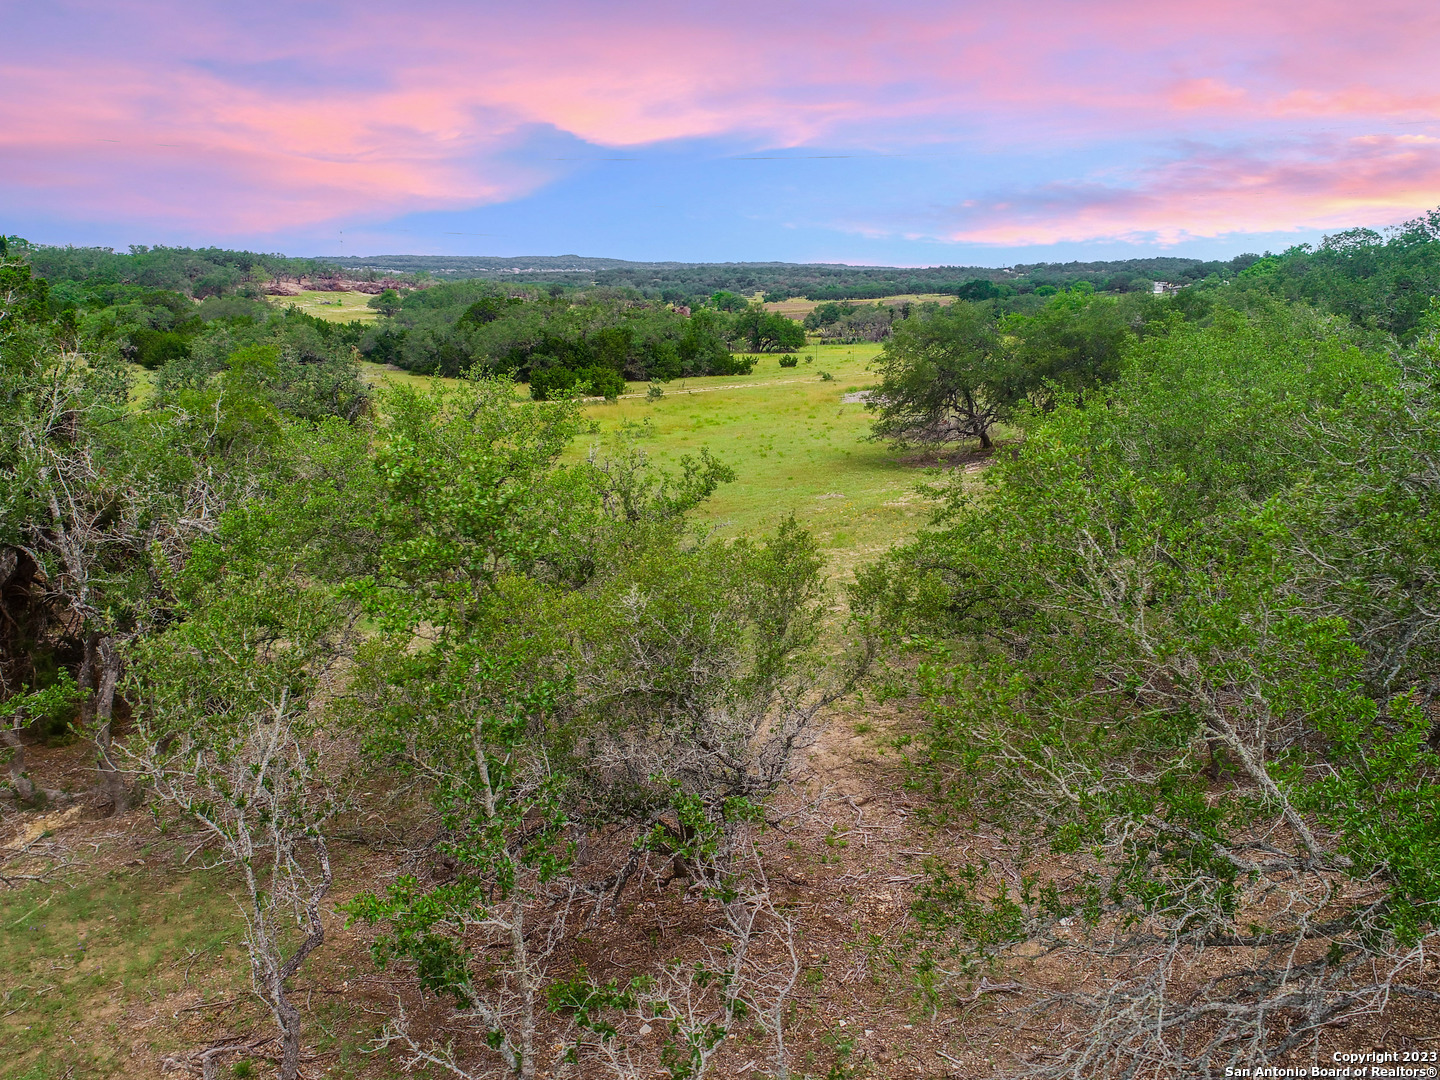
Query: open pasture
{"x":795,"y":444}
{"x":334,"y":306}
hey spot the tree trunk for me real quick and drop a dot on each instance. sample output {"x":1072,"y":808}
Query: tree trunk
{"x":521,"y":952}
{"x":20,"y":783}
{"x":111,"y":778}
{"x":286,"y":1014}
{"x":85,"y":681}
{"x":288,"y":1017}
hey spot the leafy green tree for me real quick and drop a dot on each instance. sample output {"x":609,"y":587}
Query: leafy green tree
{"x":552,"y":383}
{"x":1134,"y":669}
{"x":851,"y":323}
{"x":825,"y":314}
{"x":226,"y":734}
{"x":99,"y":498}
{"x":51,"y":705}
{"x":76,"y":499}
{"x":592,"y":667}
{"x":23,"y":297}
{"x":1380,"y":282}
{"x":767,"y":331}
{"x":387,"y":302}
{"x":1077,"y":341}
{"x":945,"y":375}
{"x":725,"y":300}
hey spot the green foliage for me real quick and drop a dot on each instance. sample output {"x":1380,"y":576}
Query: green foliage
{"x":585,"y":1001}
{"x":727,"y":285}
{"x":550,"y":383}
{"x":386,"y":302}
{"x":449,"y":329}
{"x":198,"y":272}
{"x":1076,"y":341}
{"x":1377,"y":282}
{"x":945,"y":375}
{"x":24,"y":298}
{"x":46,"y":711}
{"x":847,"y":323}
{"x":280,"y":371}
{"x":154,"y":348}
{"x":1149,"y":642}
{"x":766,"y":331}
{"x":826,"y":314}
{"x":952,"y":373}
{"x":574,"y":629}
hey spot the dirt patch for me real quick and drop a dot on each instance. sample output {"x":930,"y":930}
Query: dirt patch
{"x":124,"y":958}
{"x":971,"y":459}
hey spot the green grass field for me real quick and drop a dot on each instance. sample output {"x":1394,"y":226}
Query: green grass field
{"x":334,"y":306}
{"x":796,"y":445}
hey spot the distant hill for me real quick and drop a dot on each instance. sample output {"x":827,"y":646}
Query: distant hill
{"x":201,"y":272}
{"x":781,"y":281}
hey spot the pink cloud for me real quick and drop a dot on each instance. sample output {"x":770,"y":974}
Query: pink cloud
{"x":1211,"y":194}
{"x":269,"y":117}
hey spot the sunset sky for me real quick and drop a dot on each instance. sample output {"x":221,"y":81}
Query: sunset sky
{"x":914,"y":134}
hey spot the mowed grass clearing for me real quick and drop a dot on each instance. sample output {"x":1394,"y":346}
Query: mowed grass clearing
{"x":332,"y":306}
{"x":797,"y":448}
{"x":798,"y":307}
{"x":82,"y":960}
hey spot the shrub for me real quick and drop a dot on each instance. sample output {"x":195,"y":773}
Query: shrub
{"x":550,"y":383}
{"x":732,"y":364}
{"x":1167,"y":651}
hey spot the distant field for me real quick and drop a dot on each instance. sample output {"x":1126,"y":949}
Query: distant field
{"x":335,"y":306}
{"x":348,"y":306}
{"x":796,"y":446}
{"x":798,"y":307}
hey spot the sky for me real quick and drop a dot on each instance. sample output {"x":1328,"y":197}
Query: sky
{"x":959,"y":133}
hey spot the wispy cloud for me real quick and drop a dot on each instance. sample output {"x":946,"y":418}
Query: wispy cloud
{"x":1211,"y":192}
{"x":273,"y":117}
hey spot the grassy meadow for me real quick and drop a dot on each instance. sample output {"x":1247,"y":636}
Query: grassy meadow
{"x":334,"y":306}
{"x":77,"y":959}
{"x":794,"y":442}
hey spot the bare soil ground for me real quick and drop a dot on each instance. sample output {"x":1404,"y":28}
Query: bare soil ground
{"x":89,"y":894}
{"x":120,"y":955}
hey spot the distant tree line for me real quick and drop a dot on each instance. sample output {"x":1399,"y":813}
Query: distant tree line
{"x":691,"y":283}
{"x":193,"y":272}
{"x":635,"y":321}
{"x":556,"y":341}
